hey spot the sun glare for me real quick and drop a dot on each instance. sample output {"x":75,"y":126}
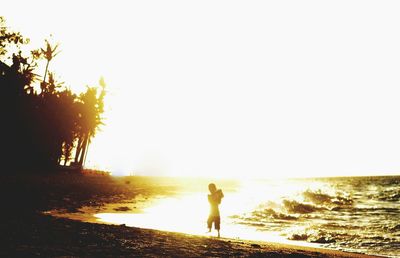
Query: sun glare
{"x":188,"y":212}
{"x":231,"y":95}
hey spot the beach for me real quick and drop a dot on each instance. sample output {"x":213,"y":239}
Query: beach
{"x":28,"y":231}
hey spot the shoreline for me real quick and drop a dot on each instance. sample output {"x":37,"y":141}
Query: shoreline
{"x":87,"y":215}
{"x":31,"y":233}
{"x":259,"y":248}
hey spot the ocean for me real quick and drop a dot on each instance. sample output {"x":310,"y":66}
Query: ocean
{"x":357,"y":214}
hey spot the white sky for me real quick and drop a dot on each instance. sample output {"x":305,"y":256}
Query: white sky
{"x":233,"y":88}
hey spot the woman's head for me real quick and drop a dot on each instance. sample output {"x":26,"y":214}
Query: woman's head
{"x":212,"y":187}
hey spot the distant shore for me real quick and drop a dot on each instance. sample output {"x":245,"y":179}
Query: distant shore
{"x":28,"y":232}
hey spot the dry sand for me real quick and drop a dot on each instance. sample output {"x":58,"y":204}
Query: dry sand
{"x":26,"y":231}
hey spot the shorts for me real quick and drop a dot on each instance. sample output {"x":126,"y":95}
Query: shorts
{"x":216,"y":220}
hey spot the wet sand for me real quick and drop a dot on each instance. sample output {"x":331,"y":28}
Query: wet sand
{"x":27,"y":232}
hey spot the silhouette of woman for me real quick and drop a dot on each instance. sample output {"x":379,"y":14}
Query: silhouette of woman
{"x":214,"y":198}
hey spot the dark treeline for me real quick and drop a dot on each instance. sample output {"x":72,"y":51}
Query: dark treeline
{"x":43,"y":123}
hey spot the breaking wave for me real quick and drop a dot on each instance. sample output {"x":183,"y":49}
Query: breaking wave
{"x":320,"y":198}
{"x":354,"y":214}
{"x":302,"y":208}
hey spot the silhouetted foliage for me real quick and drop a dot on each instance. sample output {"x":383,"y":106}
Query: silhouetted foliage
{"x":9,"y":37}
{"x":42,"y":126}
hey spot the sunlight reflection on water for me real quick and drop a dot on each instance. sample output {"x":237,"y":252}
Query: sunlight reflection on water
{"x":188,"y":212}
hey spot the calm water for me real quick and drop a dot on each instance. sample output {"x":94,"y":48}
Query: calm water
{"x":354,"y":214}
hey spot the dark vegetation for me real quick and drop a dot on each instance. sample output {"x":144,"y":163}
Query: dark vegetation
{"x":43,"y":123}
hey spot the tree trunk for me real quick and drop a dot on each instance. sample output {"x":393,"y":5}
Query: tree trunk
{"x":45,"y":72}
{"x":83,"y":151}
{"x":87,"y":149}
{"x":78,"y":150}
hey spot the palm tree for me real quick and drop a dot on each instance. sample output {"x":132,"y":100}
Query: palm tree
{"x":91,"y":107}
{"x":49,"y":53}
